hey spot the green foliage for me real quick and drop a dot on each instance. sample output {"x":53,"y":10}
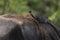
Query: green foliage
{"x":43,"y":7}
{"x":1,"y":5}
{"x":46,"y":8}
{"x":16,"y":6}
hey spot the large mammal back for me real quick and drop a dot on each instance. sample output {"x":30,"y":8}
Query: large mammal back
{"x":32,"y":30}
{"x":9,"y":30}
{"x":28,"y":27}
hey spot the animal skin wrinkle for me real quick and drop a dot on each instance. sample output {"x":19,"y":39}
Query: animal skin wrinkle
{"x":29,"y":30}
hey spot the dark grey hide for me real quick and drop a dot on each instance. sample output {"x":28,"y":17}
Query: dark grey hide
{"x":9,"y":30}
{"x":40,"y":30}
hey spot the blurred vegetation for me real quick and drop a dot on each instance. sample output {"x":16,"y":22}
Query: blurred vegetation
{"x":46,"y":8}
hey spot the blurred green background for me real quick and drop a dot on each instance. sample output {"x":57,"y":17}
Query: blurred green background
{"x":46,"y":8}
